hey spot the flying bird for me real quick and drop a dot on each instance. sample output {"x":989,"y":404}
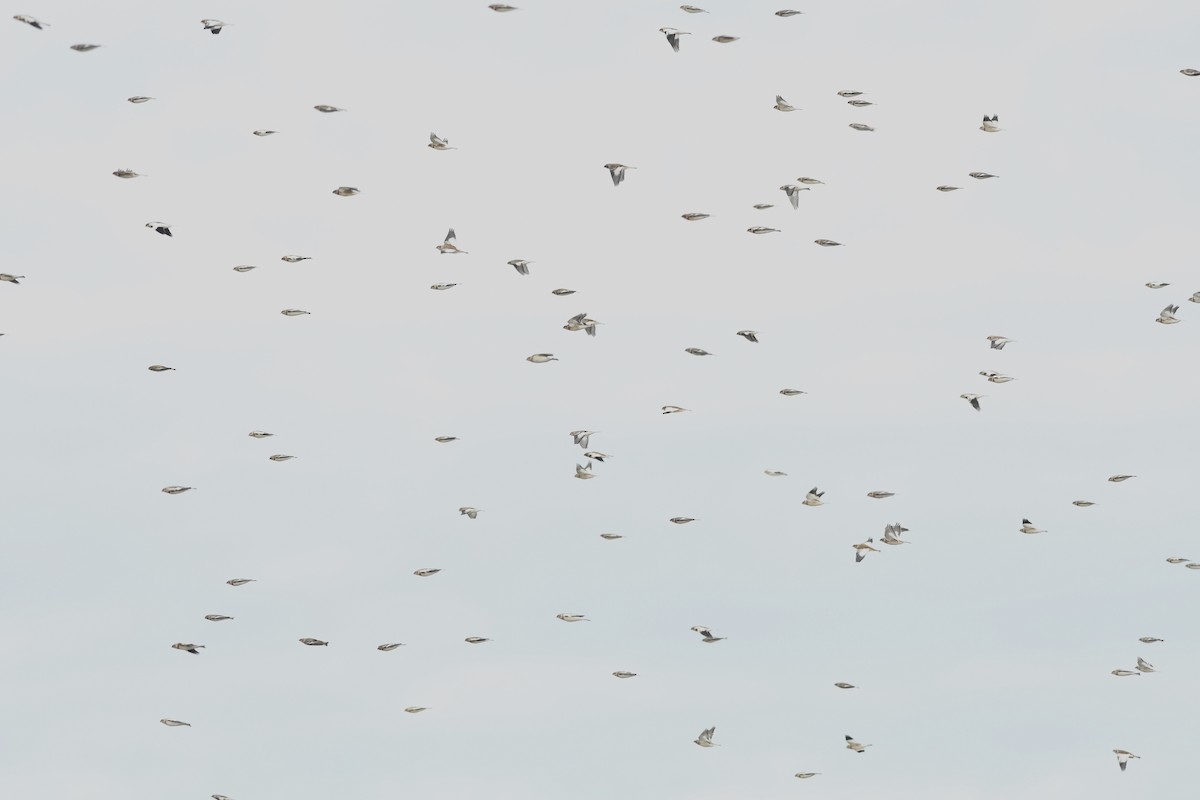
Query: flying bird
{"x":346,"y":191}
{"x":582,"y":437}
{"x":774,"y":473}
{"x":416,"y":709}
{"x":572,"y":618}
{"x":294,"y":312}
{"x":216,"y":617}
{"x":469,"y":512}
{"x":622,"y":674}
{"x":945,"y":188}
{"x":1144,"y":666}
{"x":1028,"y":527}
{"x":827,"y":243}
{"x":672,"y":39}
{"x":693,"y":10}
{"x":177,"y":489}
{"x":83,"y":48}
{"x":860,"y":126}
{"x":810,"y":181}
{"x":855,"y":746}
{"x":1120,"y":478}
{"x":441,"y":287}
{"x":995,"y":377}
{"x":859,"y":103}
{"x":705,"y":737}
{"x":806,"y":775}
{"x":724,"y":39}
{"x":160,"y":227}
{"x":32,"y":22}
{"x":982,"y":175}
{"x":1082,"y":503}
{"x":706,"y":635}
{"x":264,"y":133}
{"x":541,"y":358}
{"x":1167,"y":317}
{"x":990,"y":124}
{"x":127,"y":174}
{"x":562,"y":292}
{"x":617,"y":171}
{"x":880,"y":495}
{"x":1149,"y":639}
{"x":682,"y":520}
{"x":213,"y":26}
{"x":243,"y":268}
{"x":793,"y":193}
{"x":295,"y":259}
{"x":502,"y":8}
{"x":520,"y":265}
{"x":843,"y":685}
{"x":475,"y":640}
{"x":813,"y":498}
{"x":1156,"y":285}
{"x":973,"y":399}
{"x":139,"y":99}
{"x":696,"y":351}
{"x":673,"y":409}
{"x":188,"y":647}
{"x":260,"y":434}
{"x":783,"y":105}
{"x":426,"y":572}
{"x":324,"y":109}
{"x":240,"y":581}
{"x":791,"y":392}
{"x":584,"y":473}
{"x":861,"y":550}
{"x":311,"y":642}
{"x":1123,"y":757}
{"x":581,"y":322}
{"x":749,"y":336}
{"x":849,"y":93}
{"x":759,"y":230}
{"x":695,"y":216}
{"x":612,"y":537}
{"x":787,"y":12}
{"x":1191,"y":73}
{"x":448,"y":246}
{"x":998,"y":342}
{"x":174,"y":723}
{"x":891,"y":534}
{"x":387,"y":648}
{"x":438,"y":143}
{"x":445,"y":439}
{"x":160,"y":368}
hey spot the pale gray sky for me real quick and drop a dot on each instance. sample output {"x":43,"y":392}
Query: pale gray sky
{"x":982,"y":655}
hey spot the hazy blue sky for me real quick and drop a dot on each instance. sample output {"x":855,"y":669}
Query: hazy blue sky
{"x":982,"y":655}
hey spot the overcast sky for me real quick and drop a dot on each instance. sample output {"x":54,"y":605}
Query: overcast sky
{"x":982,"y":655}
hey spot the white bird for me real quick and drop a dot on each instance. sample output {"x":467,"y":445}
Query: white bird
{"x":774,"y":473}
{"x":426,"y":572}
{"x":160,"y":368}
{"x":216,"y":617}
{"x":810,"y":181}
{"x":541,"y":358}
{"x":990,"y":124}
{"x":502,"y":8}
{"x":861,"y":549}
{"x":416,"y":709}
{"x":311,"y":642}
{"x":763,"y":206}
{"x":783,"y":105}
{"x":1177,"y":560}
{"x":844,"y":685}
{"x":562,"y":292}
{"x":1195,"y":298}
{"x":980,"y":176}
{"x":695,"y":216}
{"x":294,"y":312}
{"x":84,"y":48}
{"x":260,"y":434}
{"x":693,"y":10}
{"x":612,"y":537}
{"x":475,"y":640}
{"x":572,"y":618}
{"x":849,"y":93}
{"x":945,"y":188}
{"x":139,"y":99}
{"x":813,"y":498}
{"x":438,"y":143}
{"x":264,"y":133}
{"x":706,"y":634}
{"x":596,"y":455}
{"x":827,"y":243}
{"x":880,"y":495}
{"x":448,"y":246}
{"x":324,"y":109}
{"x":445,"y":439}
{"x":1082,"y":503}
{"x":584,"y":473}
{"x":787,"y":12}
{"x":213,"y":26}
{"x":672,"y":39}
{"x":441,"y":287}
{"x":160,"y":227}
{"x":760,"y":230}
{"x":581,"y":437}
{"x":973,"y":399}
{"x":240,"y":581}
{"x":469,"y":512}
{"x":673,"y":409}
{"x":32,"y":22}
{"x":791,"y":392}
{"x":805,"y":775}
{"x":1144,"y":666}
{"x":1120,"y":478}
{"x":520,"y":265}
{"x":13,"y":279}
{"x":998,"y":342}
{"x":859,"y":103}
{"x":860,"y":126}
{"x":705,"y":737}
{"x":749,"y":336}
{"x":387,"y":648}
{"x":682,"y":520}
{"x":1191,"y":73}
{"x":1167,"y":317}
{"x":1027,"y":527}
{"x":177,"y":489}
{"x":995,"y":377}
{"x":697,"y":351}
{"x":581,"y":322}
{"x":793,"y":193}
{"x":725,"y":39}
{"x":174,"y":723}
{"x":1123,"y":757}
{"x":346,"y":191}
{"x":890,"y":534}
{"x":1156,"y":285}
{"x":623,"y":674}
{"x":127,"y":174}
{"x":187,"y":647}
{"x":855,"y":746}
{"x":295,"y":259}
{"x":617,"y":171}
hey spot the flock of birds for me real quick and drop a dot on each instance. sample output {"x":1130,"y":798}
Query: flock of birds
{"x":582,"y":322}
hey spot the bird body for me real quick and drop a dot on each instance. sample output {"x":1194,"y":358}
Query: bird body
{"x":387,"y":648}
{"x":572,"y":618}
{"x":213,"y":26}
{"x":469,"y":512}
{"x":672,"y":39}
{"x":541,"y":358}
{"x":990,"y":124}
{"x":617,"y":171}
{"x":311,"y":642}
{"x":216,"y":617}
{"x":855,"y":746}
{"x":783,"y":105}
{"x":1123,"y":757}
{"x":177,"y":489}
{"x":813,"y":498}
{"x":187,"y":647}
{"x":1028,"y":527}
{"x":706,"y":736}
{"x":438,"y":143}
{"x":448,"y":245}
{"x":973,"y":399}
